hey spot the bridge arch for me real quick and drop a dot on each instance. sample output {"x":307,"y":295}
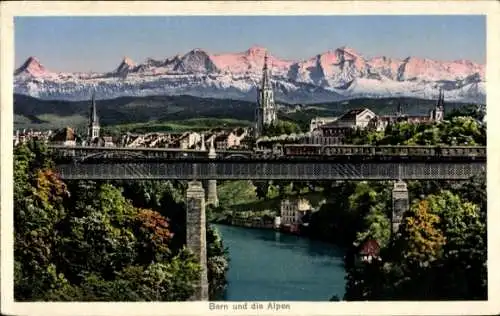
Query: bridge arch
{"x":114,"y":154}
{"x":241,"y":156}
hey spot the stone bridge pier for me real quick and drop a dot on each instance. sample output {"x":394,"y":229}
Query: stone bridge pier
{"x":212,"y":198}
{"x":196,"y":235}
{"x":400,"y":205}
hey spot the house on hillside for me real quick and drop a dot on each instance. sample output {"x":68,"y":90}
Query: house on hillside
{"x":189,"y":140}
{"x":436,"y":114}
{"x":226,"y":140}
{"x":320,"y":121}
{"x":368,"y":251}
{"x":347,"y":123}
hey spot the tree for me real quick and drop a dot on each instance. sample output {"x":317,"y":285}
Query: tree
{"x":463,"y":269}
{"x":38,"y":207}
{"x":422,"y":240}
{"x":281,"y":128}
{"x":217,"y":263}
{"x":86,"y":242}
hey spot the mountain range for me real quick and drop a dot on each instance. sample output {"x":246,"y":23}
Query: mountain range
{"x":334,"y":75}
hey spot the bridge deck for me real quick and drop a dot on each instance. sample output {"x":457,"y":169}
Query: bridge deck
{"x":268,"y":170}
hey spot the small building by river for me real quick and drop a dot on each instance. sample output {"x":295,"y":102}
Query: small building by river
{"x":368,"y":251}
{"x":292,"y":212}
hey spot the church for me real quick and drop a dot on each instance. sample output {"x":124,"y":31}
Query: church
{"x":337,"y":129}
{"x":435,"y":115}
{"x":94,"y":128}
{"x":266,"y":108}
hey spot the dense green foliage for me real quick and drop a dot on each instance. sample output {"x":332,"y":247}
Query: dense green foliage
{"x":439,"y":253}
{"x":440,"y":250}
{"x":460,"y":130}
{"x":281,"y":127}
{"x":198,"y":124}
{"x":86,"y":241}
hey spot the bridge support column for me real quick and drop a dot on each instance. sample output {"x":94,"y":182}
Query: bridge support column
{"x":400,"y":204}
{"x":196,"y":238}
{"x":212,"y":198}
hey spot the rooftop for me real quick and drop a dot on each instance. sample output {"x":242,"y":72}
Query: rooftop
{"x":369,"y":247}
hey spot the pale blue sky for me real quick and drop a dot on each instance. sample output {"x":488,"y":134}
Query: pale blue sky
{"x":99,"y":43}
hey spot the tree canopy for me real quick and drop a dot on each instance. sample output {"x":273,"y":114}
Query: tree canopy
{"x":88,"y":241}
{"x":440,"y":250}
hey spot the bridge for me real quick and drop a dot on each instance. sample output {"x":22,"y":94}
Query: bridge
{"x":344,"y":163}
{"x":397,"y":163}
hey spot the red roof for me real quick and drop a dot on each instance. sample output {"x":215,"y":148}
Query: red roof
{"x":369,"y":248}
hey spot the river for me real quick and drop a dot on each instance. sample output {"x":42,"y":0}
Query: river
{"x":268,"y":265}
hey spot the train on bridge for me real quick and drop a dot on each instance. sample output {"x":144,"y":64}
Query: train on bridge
{"x":327,"y":151}
{"x":283,"y":152}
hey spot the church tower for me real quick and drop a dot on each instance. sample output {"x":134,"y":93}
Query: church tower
{"x":266,"y":109}
{"x":439,"y":110}
{"x":399,"y":110}
{"x":93,"y":128}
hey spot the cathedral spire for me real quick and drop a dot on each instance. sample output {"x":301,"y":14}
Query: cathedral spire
{"x":266,"y":109}
{"x":265,"y":73}
{"x":399,"y":110}
{"x":93,"y":128}
{"x":93,"y":116}
{"x":440,"y":103}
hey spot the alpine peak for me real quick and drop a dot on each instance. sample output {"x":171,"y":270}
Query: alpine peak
{"x":340,"y":73}
{"x":31,"y":66}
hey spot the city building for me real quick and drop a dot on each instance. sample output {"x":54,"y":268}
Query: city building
{"x":189,"y":140}
{"x":230,"y":139}
{"x":320,"y":121}
{"x":354,"y":119}
{"x":266,"y":108}
{"x":435,"y":115}
{"x":292,"y":211}
{"x":333,"y":130}
{"x":21,"y":137}
{"x":64,"y":137}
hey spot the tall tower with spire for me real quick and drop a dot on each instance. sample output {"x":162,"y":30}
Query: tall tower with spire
{"x":439,"y":110}
{"x":399,"y":110}
{"x":93,"y":128}
{"x":266,"y":109}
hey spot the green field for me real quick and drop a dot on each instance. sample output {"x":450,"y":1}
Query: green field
{"x":195,"y":124}
{"x":240,"y":196}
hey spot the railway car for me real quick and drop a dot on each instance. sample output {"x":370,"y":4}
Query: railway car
{"x":302,"y":150}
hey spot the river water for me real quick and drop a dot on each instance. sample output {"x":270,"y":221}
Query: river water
{"x":268,"y":265}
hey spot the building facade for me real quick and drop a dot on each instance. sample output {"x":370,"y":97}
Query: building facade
{"x":64,"y":137}
{"x":292,"y":211}
{"x":266,"y":108}
{"x":320,"y":121}
{"x":354,"y":119}
{"x":379,"y":123}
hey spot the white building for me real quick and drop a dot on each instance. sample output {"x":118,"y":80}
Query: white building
{"x":292,"y":211}
{"x":320,"y":121}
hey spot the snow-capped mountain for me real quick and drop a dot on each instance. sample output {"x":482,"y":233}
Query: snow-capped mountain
{"x":334,"y":75}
